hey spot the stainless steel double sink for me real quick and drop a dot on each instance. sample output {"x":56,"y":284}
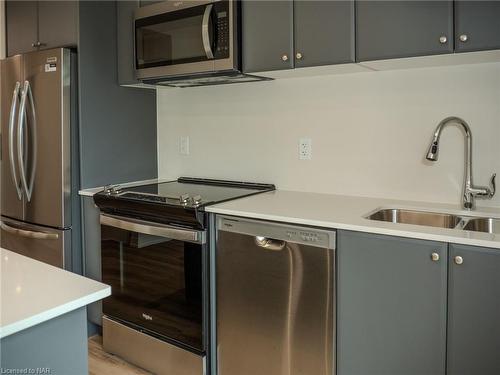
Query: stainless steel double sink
{"x":436,"y":219}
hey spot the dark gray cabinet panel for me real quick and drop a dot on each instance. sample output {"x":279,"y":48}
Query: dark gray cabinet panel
{"x":125,"y":43}
{"x":474,"y":311}
{"x":477,"y":25}
{"x":391,"y":305}
{"x":323,"y":32}
{"x":117,"y":124}
{"x":144,"y":3}
{"x":267,"y":35}
{"x":21,"y":18}
{"x":58,"y":23}
{"x":390,"y":29}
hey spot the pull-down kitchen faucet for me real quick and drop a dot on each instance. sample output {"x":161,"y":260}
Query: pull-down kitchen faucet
{"x":469,"y":190}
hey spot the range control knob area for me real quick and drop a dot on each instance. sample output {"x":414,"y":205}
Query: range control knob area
{"x":112,"y":189}
{"x":184,"y":198}
{"x":197,"y":199}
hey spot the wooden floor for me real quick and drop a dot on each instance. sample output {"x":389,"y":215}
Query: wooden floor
{"x":102,"y":363}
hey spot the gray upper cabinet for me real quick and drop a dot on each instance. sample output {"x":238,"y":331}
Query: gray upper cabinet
{"x":323,"y":32}
{"x":292,"y":34}
{"x":57,"y":23}
{"x":33,"y":25}
{"x":474,"y":311}
{"x":125,"y":41}
{"x":391,"y":29}
{"x":477,"y":25}
{"x":21,"y":26}
{"x":267,"y":35}
{"x":391,"y":305}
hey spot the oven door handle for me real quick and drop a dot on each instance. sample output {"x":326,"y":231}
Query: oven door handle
{"x":146,"y":227}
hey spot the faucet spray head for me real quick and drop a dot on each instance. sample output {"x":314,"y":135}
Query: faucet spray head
{"x":433,"y":152}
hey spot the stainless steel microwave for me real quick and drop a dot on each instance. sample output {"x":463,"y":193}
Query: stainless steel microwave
{"x":188,"y":41}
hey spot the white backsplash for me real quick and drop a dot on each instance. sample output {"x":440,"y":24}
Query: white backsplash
{"x":369,"y":132}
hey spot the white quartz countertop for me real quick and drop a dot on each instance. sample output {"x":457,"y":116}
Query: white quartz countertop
{"x":33,"y":292}
{"x":348,"y":213}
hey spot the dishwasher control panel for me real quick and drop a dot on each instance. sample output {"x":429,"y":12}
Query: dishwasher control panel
{"x":278,"y":231}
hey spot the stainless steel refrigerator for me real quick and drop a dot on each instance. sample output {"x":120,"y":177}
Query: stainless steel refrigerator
{"x":39,"y":176}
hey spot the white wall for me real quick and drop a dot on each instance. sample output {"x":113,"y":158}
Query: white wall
{"x":369,"y":131}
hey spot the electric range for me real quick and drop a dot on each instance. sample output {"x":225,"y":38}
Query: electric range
{"x":154,"y":254}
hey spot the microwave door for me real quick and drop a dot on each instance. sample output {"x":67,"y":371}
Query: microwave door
{"x":188,"y":41}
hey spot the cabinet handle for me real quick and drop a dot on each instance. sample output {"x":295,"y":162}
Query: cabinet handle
{"x":443,"y":39}
{"x":37,"y":44}
{"x":298,"y":56}
{"x":463,"y":38}
{"x":435,"y":257}
{"x":459,"y":260}
{"x":284,"y":58}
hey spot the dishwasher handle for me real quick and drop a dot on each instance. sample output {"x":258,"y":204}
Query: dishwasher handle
{"x":270,"y":243}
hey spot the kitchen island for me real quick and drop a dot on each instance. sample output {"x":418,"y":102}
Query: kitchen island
{"x":43,"y":320}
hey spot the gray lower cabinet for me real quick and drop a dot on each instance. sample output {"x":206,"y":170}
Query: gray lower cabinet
{"x":474,"y":311}
{"x":21,"y":26}
{"x":323,"y":32}
{"x":477,"y":25}
{"x":267,"y":35}
{"x":391,"y":312}
{"x":391,"y":29}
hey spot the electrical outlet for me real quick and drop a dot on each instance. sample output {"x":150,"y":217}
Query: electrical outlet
{"x":184,"y":145}
{"x":305,"y":149}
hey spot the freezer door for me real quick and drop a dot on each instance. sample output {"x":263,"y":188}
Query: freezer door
{"x":47,"y":245}
{"x":12,"y":201}
{"x":46,"y":113}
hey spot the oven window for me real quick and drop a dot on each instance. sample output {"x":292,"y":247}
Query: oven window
{"x":170,"y":38}
{"x":156,"y":284}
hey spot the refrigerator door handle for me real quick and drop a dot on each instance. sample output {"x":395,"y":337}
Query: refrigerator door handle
{"x":12,"y":118}
{"x":28,"y":233}
{"x":22,"y":156}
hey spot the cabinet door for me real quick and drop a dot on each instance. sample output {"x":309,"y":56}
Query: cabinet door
{"x":323,"y":32}
{"x":125,"y":41}
{"x":21,"y":25}
{"x":58,"y":22}
{"x":390,"y":29}
{"x":477,"y":25}
{"x":267,"y":35}
{"x":391,"y":305}
{"x":474,"y":311}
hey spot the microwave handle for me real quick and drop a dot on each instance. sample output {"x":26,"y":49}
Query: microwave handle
{"x":204,"y":32}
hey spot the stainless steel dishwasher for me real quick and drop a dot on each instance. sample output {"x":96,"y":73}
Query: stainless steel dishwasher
{"x":275,"y":298}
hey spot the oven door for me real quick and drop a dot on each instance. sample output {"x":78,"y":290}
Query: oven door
{"x":157,"y":277}
{"x":184,"y":38}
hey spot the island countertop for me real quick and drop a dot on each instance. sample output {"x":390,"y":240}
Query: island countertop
{"x":33,"y":292}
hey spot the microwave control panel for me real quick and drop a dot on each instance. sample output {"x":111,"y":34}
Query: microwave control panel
{"x":222,"y":44}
